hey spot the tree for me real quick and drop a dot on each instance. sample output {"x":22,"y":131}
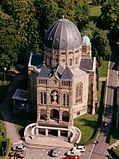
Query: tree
{"x":100,"y":43}
{"x":27,"y":35}
{"x":109,"y":18}
{"x":8,"y":51}
{"x":97,"y":2}
{"x":50,"y":11}
{"x":46,"y":14}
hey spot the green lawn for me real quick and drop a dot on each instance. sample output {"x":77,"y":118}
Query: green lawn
{"x":87,"y":124}
{"x":99,"y":91}
{"x":94,"y":10}
{"x":103,"y":69}
{"x":117,"y":151}
{"x":114,"y":135}
{"x":4,"y":141}
{"x":2,"y":128}
{"x":117,"y":98}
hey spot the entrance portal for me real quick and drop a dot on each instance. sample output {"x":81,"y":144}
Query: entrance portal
{"x":54,"y":114}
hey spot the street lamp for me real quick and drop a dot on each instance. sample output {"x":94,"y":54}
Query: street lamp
{"x":4,"y":73}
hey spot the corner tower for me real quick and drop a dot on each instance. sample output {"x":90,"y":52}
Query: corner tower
{"x":86,"y":48}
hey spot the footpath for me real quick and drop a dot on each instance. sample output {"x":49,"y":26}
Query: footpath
{"x":5,"y":110}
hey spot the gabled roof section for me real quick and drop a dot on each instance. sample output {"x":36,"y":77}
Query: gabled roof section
{"x":20,"y":95}
{"x":44,"y":72}
{"x":59,"y":69}
{"x":35,"y":60}
{"x":86,"y":64}
{"x":67,"y":74}
{"x":77,"y":73}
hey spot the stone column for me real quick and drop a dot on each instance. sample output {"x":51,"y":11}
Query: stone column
{"x":48,"y":96}
{"x":48,"y":114}
{"x":38,"y":116}
{"x":58,"y":133}
{"x":46,"y":132}
{"x":60,"y":116}
{"x":37,"y":131}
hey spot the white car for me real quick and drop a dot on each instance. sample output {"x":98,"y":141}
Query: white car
{"x":74,"y":151}
{"x":81,"y":148}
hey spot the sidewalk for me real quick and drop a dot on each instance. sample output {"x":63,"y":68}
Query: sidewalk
{"x":46,"y":142}
{"x":11,"y":130}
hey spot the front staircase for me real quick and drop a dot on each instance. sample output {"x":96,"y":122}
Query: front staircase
{"x":76,"y":134}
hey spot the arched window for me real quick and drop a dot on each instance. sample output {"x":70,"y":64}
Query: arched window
{"x":79,"y":92}
{"x":65,"y":116}
{"x":65,"y":99}
{"x":76,"y":61}
{"x":70,"y":62}
{"x":43,"y":97}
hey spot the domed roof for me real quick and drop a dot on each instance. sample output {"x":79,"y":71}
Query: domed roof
{"x":63,"y":35}
{"x":85,"y":40}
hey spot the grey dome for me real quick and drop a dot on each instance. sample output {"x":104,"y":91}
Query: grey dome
{"x":85,"y":40}
{"x":63,"y":35}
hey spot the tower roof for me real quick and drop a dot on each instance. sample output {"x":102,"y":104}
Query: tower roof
{"x":63,"y":35}
{"x":85,"y":40}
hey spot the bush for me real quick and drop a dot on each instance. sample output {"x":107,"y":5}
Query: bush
{"x":114,"y":153}
{"x":4,"y":147}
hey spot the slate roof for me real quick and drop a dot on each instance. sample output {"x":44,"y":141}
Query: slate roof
{"x":20,"y":95}
{"x":67,"y":74}
{"x":63,"y":35}
{"x":36,"y":60}
{"x":78,"y":73}
{"x":44,"y":72}
{"x":86,"y":64}
{"x":59,"y":69}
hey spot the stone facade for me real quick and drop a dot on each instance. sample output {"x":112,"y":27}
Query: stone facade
{"x":63,"y":87}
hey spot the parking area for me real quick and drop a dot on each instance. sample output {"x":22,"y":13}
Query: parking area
{"x":43,"y":153}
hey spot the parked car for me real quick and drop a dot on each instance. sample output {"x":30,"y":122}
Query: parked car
{"x":20,"y":154}
{"x":80,"y":148}
{"x":72,"y":157}
{"x":54,"y":152}
{"x":17,"y":154}
{"x":74,"y":151}
{"x":70,"y":152}
{"x":18,"y":148}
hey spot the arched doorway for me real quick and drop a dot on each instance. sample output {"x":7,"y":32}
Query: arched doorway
{"x":43,"y":114}
{"x":65,"y":116}
{"x":54,"y":114}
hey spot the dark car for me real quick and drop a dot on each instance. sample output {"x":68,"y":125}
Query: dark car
{"x":54,"y":152}
{"x":17,"y":154}
{"x":18,"y":148}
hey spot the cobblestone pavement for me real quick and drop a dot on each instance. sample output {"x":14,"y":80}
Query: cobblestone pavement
{"x":43,"y":153}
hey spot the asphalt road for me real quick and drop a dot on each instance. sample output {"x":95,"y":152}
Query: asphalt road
{"x":99,"y":151}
